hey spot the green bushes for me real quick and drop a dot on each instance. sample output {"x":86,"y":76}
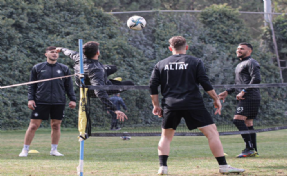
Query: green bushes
{"x":28,"y":27}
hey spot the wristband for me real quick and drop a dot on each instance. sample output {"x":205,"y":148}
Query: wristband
{"x":243,"y":90}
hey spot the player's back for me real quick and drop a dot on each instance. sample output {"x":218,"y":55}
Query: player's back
{"x":179,"y":77}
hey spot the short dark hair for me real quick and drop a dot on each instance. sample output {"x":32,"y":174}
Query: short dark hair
{"x":177,"y":42}
{"x":247,"y":44}
{"x":90,"y":49}
{"x":50,"y":48}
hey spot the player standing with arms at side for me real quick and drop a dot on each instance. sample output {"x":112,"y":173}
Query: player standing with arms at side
{"x":48,"y":99}
{"x":246,"y":72}
{"x":179,"y":77}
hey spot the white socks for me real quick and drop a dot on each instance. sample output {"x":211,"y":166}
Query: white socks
{"x":26,"y":147}
{"x":54,"y":146}
{"x":223,"y":166}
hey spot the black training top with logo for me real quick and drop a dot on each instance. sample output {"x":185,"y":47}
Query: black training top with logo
{"x":51,"y":92}
{"x":95,"y":74}
{"x":179,"y":77}
{"x":247,"y":72}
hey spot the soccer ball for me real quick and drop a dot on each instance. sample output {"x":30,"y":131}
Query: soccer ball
{"x":136,"y":22}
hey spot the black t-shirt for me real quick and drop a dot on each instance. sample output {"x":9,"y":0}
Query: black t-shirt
{"x":179,"y":77}
{"x":247,"y":72}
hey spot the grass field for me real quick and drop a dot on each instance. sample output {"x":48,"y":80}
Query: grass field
{"x":111,"y":156}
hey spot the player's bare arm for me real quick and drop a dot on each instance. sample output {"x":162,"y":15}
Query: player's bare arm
{"x":156,"y":107}
{"x":216,"y":101}
{"x":223,"y":95}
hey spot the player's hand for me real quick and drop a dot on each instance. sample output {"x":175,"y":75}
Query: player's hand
{"x":157,"y":111}
{"x":240,"y":96}
{"x":218,"y":106}
{"x":31,"y":104}
{"x":72,"y":104}
{"x":223,"y":95}
{"x":58,"y":49}
{"x":120,"y":115}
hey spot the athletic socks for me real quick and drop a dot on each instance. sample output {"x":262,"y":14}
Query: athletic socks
{"x":253,"y":138}
{"x":162,"y":160}
{"x":26,"y":147}
{"x":54,"y":146}
{"x":241,"y":126}
{"x":221,"y":160}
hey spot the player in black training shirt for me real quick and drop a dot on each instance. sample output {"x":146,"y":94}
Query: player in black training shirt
{"x":246,"y":72}
{"x":179,"y":77}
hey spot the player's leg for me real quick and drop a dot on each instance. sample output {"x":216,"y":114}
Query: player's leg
{"x":30,"y":133}
{"x":210,"y":131}
{"x":37,"y":115}
{"x":170,"y":121}
{"x":164,"y":149}
{"x":57,"y":114}
{"x":201,"y":119}
{"x":249,"y":124}
{"x":214,"y":142}
{"x":115,"y":121}
{"x":239,"y":122}
{"x":112,"y":119}
{"x":253,"y":111}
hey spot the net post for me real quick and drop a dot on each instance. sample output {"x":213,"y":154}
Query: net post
{"x":80,"y":169}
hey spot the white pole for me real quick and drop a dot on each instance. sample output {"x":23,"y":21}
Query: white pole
{"x":267,"y":11}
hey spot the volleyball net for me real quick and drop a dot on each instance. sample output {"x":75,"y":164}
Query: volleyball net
{"x":272,"y":114}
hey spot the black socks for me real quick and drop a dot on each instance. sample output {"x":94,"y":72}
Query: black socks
{"x":162,"y":160}
{"x":221,"y":160}
{"x":253,"y":138}
{"x":246,"y":137}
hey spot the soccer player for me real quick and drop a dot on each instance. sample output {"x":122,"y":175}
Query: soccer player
{"x":246,"y":72}
{"x":179,"y":77}
{"x":48,"y":99}
{"x":95,"y":73}
{"x":118,"y":102}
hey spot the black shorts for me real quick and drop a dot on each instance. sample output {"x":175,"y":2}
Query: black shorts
{"x":193,"y":118}
{"x":43,"y":112}
{"x":248,"y":108}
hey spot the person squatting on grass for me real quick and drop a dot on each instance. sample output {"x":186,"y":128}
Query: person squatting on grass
{"x":118,"y":102}
{"x":48,"y":99}
{"x":248,"y":99}
{"x":179,"y":76}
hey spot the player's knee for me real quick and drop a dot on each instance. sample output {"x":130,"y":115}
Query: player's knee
{"x":33,"y":127}
{"x":238,"y":123}
{"x":55,"y":126}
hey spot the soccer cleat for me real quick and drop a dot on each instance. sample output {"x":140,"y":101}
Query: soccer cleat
{"x":256,"y":154}
{"x":162,"y":170}
{"x":246,"y":153}
{"x":24,"y":153}
{"x":55,"y":153}
{"x":227,"y":169}
{"x":117,"y":129}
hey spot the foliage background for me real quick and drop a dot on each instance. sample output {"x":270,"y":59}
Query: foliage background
{"x":27,"y":27}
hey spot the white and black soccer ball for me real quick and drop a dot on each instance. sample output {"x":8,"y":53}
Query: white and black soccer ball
{"x":136,"y":23}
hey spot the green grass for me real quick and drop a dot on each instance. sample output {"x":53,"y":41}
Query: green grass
{"x":109,"y":156}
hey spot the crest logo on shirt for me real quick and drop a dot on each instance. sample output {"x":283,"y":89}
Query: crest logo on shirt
{"x":176,"y":66}
{"x":59,"y":71}
{"x":239,"y":109}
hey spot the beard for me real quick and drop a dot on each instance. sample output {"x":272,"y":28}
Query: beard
{"x":242,"y":56}
{"x":52,"y":59}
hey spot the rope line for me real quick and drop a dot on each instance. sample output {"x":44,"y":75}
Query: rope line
{"x":33,"y":82}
